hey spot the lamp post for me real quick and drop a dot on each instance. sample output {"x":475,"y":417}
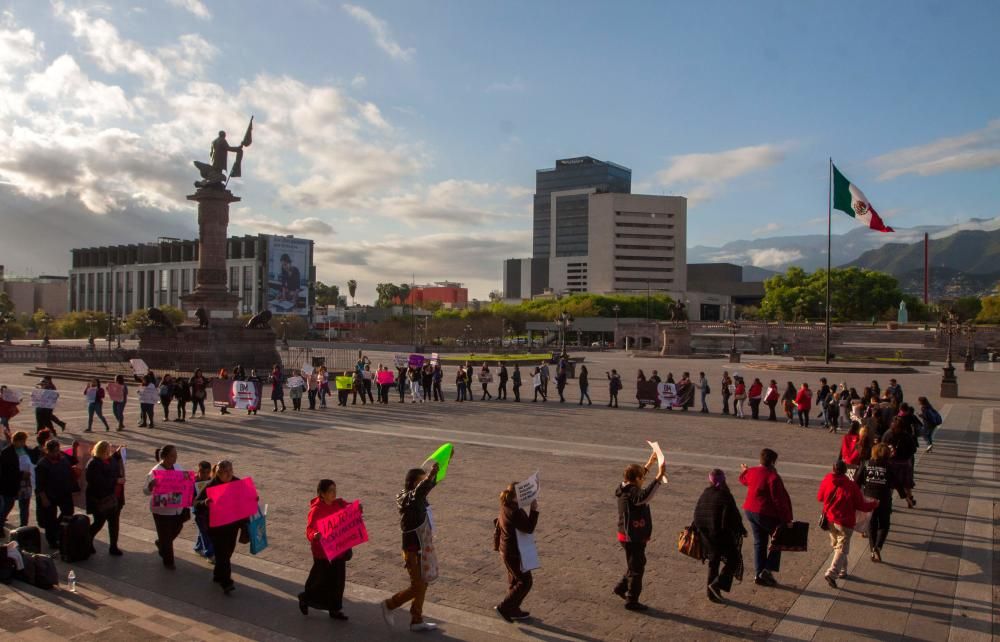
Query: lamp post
{"x":615,"y":308}
{"x":91,"y":322}
{"x":969,"y":330}
{"x":563,"y":323}
{"x":734,"y":327}
{"x":284,"y":332}
{"x":468,"y":334}
{"x":949,"y":383}
{"x":6,"y":319}
{"x":45,"y":321}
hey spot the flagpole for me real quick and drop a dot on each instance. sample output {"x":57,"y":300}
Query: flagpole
{"x":829,"y":219}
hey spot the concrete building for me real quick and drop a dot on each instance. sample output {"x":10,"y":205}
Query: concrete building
{"x":729,"y":291}
{"x":122,"y":278}
{"x":447,"y":293}
{"x":30,"y":294}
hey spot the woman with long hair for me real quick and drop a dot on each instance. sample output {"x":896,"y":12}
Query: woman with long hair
{"x":168,"y":521}
{"x":514,"y":519}
{"x":876,"y":481}
{"x":324,"y":589}
{"x":225,"y":536}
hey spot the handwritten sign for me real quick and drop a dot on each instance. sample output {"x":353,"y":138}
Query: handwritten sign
{"x":12,"y":396}
{"x":385,"y":378}
{"x":149,"y":394}
{"x":400,"y":360}
{"x":485,"y":377}
{"x":139,"y":367}
{"x":528,"y":550}
{"x":345,"y":383}
{"x":342,"y":531}
{"x":41,"y":398}
{"x":434,"y":358}
{"x":173,"y":489}
{"x":116,"y":392}
{"x":443,"y":457}
{"x":661,"y":462}
{"x":296,"y":382}
{"x":527,"y":491}
{"x":306,"y":369}
{"x":232,"y":502}
{"x":416,"y":361}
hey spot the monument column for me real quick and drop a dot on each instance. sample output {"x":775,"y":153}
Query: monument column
{"x":211,"y":292}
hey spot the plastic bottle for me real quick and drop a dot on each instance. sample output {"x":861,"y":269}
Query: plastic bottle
{"x":71,"y":580}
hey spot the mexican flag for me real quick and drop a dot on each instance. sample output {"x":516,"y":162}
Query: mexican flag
{"x":852,"y":201}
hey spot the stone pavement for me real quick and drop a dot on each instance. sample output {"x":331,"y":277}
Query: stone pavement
{"x":937,"y":581}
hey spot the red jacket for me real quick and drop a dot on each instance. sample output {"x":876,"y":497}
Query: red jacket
{"x":849,"y":451}
{"x":766,"y":493}
{"x":317,"y":511}
{"x":841,"y":499}
{"x":803,"y":399}
{"x":756,"y":390}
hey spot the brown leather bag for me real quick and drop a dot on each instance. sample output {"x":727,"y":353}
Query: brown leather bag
{"x":689,"y":543}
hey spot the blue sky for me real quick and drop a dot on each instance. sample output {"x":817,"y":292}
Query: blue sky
{"x":403,"y":136}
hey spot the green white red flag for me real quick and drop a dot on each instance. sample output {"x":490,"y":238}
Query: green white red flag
{"x":852,"y":201}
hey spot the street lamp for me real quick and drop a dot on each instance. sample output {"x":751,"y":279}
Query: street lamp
{"x":563,"y":323}
{"x":734,"y":327}
{"x":949,"y":383}
{"x":91,"y":322}
{"x":284,"y":332}
{"x":6,"y":319}
{"x":45,"y":321}
{"x":615,"y":308}
{"x":969,"y":330}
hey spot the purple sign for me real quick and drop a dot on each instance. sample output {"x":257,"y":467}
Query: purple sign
{"x":416,"y":361}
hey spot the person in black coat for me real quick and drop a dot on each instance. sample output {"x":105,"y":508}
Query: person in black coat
{"x":105,"y":472}
{"x":223,"y":537}
{"x":511,"y":520}
{"x":875,"y":477}
{"x":54,"y":485}
{"x":635,"y":527}
{"x":720,"y":527}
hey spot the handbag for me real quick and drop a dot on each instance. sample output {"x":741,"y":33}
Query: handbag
{"x":791,"y":538}
{"x":689,"y":543}
{"x":824,"y":523}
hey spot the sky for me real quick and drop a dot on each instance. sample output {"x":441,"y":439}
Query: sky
{"x":403,"y":136}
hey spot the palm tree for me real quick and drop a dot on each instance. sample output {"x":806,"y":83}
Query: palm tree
{"x":352,"y":287}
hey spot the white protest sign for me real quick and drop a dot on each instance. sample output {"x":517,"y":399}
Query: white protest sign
{"x":667,"y":393}
{"x":434,"y":358}
{"x":244,"y":395}
{"x":661,"y":463}
{"x":307,"y":370}
{"x":139,"y":367}
{"x":11,"y":395}
{"x":400,"y":360}
{"x":536,"y":381}
{"x":42,"y":398}
{"x":527,"y":491}
{"x":296,"y":382}
{"x":529,"y":552}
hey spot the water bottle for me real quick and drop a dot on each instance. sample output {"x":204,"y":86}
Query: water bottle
{"x":71,"y":580}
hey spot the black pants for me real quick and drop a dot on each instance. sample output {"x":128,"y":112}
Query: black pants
{"x":111,"y":519}
{"x":770,"y":407}
{"x":165,"y":402}
{"x":48,"y":517}
{"x":517,"y":392}
{"x":43,"y":419}
{"x":560,"y":388}
{"x":486,"y":393}
{"x":324,"y":588}
{"x":725,"y":404}
{"x":754,"y":408}
{"x":715,"y":556}
{"x":296,"y":403}
{"x":804,"y":418}
{"x":197,"y":403}
{"x":502,"y":389}
{"x":224,"y":542}
{"x":368,"y":391}
{"x":312,"y":399}
{"x":438,"y":393}
{"x":168,"y":527}
{"x":878,"y":527}
{"x":614,"y":398}
{"x":342,"y":397}
{"x":635,"y":559}
{"x":181,"y":410}
{"x":539,"y":390}
{"x":518,"y":585}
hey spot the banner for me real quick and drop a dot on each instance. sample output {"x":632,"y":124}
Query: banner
{"x":342,"y":531}
{"x":528,"y":550}
{"x":527,"y":491}
{"x":667,"y":393}
{"x":139,"y":367}
{"x":257,"y":529}
{"x":232,"y":502}
{"x":42,"y":398}
{"x":647,"y":392}
{"x":385,"y":378}
{"x":288,"y":269}
{"x":244,"y":395}
{"x":116,"y":391}
{"x":416,"y":361}
{"x":345,"y":383}
{"x":173,"y":489}
{"x":400,"y":360}
{"x":661,"y":462}
{"x":222,"y":390}
{"x":443,"y":457}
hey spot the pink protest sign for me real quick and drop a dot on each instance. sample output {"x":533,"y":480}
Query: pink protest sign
{"x":116,"y":392}
{"x":231,"y":502}
{"x":416,"y":361}
{"x":342,"y":531}
{"x":385,"y":377}
{"x":173,"y":489}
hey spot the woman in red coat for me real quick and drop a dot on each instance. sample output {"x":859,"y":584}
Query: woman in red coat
{"x":841,"y":499}
{"x":803,"y":401}
{"x":324,"y":588}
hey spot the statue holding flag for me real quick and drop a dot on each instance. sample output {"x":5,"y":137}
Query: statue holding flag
{"x":214,"y":175}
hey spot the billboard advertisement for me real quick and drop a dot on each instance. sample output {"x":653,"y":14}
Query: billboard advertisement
{"x":288,"y":269}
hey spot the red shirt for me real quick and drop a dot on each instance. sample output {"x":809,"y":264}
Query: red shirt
{"x":841,"y":499}
{"x":803,"y":399}
{"x":849,"y":450}
{"x":756,"y":389}
{"x":318,"y":509}
{"x":766,"y":493}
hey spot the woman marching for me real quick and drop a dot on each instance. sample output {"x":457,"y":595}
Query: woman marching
{"x":324,"y":589}
{"x":876,"y":481}
{"x":94,"y":394}
{"x":168,"y":521}
{"x":277,"y":389}
{"x":223,"y":537}
{"x":514,"y":519}
{"x":118,"y":400}
{"x":788,"y":402}
{"x":635,"y":527}
{"x":105,"y":473}
{"x":720,"y":527}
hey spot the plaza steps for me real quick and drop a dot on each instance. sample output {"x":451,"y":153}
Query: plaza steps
{"x":83,"y":372}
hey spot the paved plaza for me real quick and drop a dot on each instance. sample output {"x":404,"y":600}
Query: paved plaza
{"x":937,"y":581}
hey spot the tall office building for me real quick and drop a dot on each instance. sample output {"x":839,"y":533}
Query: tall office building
{"x":591,"y":234}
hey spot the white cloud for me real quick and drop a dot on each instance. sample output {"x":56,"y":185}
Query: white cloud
{"x":359,"y":81}
{"x":979,"y":149}
{"x":706,"y":173}
{"x":380,"y":31}
{"x":766,"y":229}
{"x":773,"y":257}
{"x":513,"y":85}
{"x":309,"y":227}
{"x":18,"y":47}
{"x":197,"y":7}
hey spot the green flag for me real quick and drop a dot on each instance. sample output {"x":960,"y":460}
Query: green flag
{"x":442,"y":456}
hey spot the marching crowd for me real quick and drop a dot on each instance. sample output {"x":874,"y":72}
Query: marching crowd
{"x":874,"y":462}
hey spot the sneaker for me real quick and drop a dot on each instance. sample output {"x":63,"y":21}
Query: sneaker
{"x":842,"y":575}
{"x":419,"y":627}
{"x":768,"y":578}
{"x":830,"y":580}
{"x":929,"y":448}
{"x":504,"y":614}
{"x":636,"y":606}
{"x":387,"y":615}
{"x":712,"y":596}
{"x":521,"y":615}
{"x":714,"y":591}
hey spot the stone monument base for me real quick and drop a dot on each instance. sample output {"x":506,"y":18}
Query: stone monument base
{"x":222,"y":345}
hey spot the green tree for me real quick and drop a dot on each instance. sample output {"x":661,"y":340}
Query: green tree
{"x":352,"y":288}
{"x":6,"y":305}
{"x":855,"y":294}
{"x":990,"y":312}
{"x":967,"y":307}
{"x":76,"y":325}
{"x":296,"y":327}
{"x":386,"y":294}
{"x":404,"y":292}
{"x":138,"y":319}
{"x":326,"y":294}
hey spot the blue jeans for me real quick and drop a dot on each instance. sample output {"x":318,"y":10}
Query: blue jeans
{"x":118,"y":410}
{"x":762,"y":526}
{"x":94,"y":408}
{"x":203,"y":544}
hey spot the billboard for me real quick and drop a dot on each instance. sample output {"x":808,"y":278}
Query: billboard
{"x":288,"y":268}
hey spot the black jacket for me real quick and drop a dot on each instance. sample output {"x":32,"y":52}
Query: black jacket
{"x":412,"y":506}
{"x":101,"y":479}
{"x":10,"y":472}
{"x":635,"y":521}
{"x":876,"y":482}
{"x":717,"y":519}
{"x":55,"y":480}
{"x":511,"y":520}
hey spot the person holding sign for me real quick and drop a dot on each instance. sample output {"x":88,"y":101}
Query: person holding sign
{"x":168,"y":521}
{"x":419,"y":557}
{"x":635,"y":527}
{"x":223,"y":536}
{"x":511,"y":520}
{"x":105,"y":472}
{"x":118,"y":393}
{"x":324,"y":589}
